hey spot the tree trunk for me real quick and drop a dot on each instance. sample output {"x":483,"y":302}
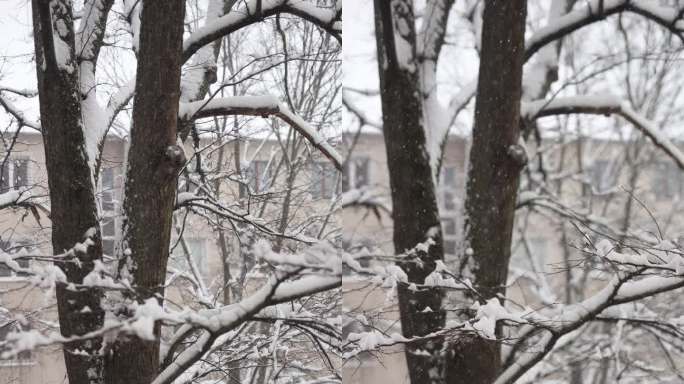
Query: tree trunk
{"x":496,"y":159}
{"x":414,"y":205}
{"x":154,"y":160}
{"x":70,"y":180}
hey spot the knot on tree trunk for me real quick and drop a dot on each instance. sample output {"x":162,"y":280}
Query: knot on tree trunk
{"x":174,"y":160}
{"x":518,"y":154}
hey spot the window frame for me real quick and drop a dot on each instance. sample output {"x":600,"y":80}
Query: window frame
{"x":10,"y":167}
{"x":109,"y":212}
{"x":350,"y":177}
{"x":669,"y":176}
{"x":328,"y":187}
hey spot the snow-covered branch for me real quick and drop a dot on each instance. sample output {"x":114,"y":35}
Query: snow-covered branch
{"x":668,"y":17}
{"x":330,"y":19}
{"x":365,"y":198}
{"x":92,"y":27}
{"x":14,"y":198}
{"x":603,"y":105}
{"x":260,"y":106}
{"x":626,"y":286}
{"x":221,"y":321}
{"x":559,"y":26}
{"x":14,"y":111}
{"x":202,"y":72}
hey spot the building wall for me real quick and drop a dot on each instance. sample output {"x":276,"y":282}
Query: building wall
{"x":596,"y":174}
{"x":16,"y":225}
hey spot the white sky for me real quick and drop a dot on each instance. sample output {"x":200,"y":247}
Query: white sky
{"x":16,"y":43}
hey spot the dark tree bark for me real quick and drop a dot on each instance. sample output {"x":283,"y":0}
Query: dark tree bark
{"x":414,"y":205}
{"x":496,"y":160}
{"x":72,"y":198}
{"x":153,"y":163}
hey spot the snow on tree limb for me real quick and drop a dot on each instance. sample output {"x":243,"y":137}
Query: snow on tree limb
{"x":215,"y":206}
{"x":259,"y":106}
{"x":668,"y":17}
{"x":539,"y":76}
{"x":14,"y":198}
{"x":20,"y":92}
{"x":603,"y":105}
{"x":363,"y":117}
{"x":625,"y":287}
{"x":118,"y":101}
{"x":223,"y":320}
{"x":92,"y":27}
{"x":429,"y":45}
{"x":327,"y":18}
{"x":228,"y":318}
{"x":202,"y":71}
{"x":16,"y":113}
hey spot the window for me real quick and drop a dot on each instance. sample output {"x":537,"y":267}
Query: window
{"x":108,"y":203}
{"x":107,"y":178}
{"x":22,"y":358}
{"x":13,"y":248}
{"x":324,"y":180}
{"x":198,"y":252}
{"x":450,"y":232}
{"x":448,"y":185}
{"x":602,"y":176}
{"x":356,"y":174}
{"x":258,"y":177}
{"x":14,"y":174}
{"x":108,"y":235}
{"x":667,"y":181}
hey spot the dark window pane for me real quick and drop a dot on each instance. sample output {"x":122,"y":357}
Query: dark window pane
{"x":20,"y":177}
{"x":346,"y":176}
{"x":108,"y":227}
{"x":107,"y":177}
{"x":323,"y":180}
{"x":449,"y":226}
{"x":450,"y":247}
{"x":449,"y":200}
{"x":108,"y":247}
{"x":5,"y":177}
{"x":449,"y":177}
{"x":361,"y":168}
{"x":108,"y":200}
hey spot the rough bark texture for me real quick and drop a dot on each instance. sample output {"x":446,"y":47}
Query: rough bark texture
{"x":496,"y":159}
{"x":72,"y":198}
{"x":414,"y":205}
{"x":153,"y":164}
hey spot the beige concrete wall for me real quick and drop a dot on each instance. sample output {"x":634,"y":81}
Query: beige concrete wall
{"x":46,"y":364}
{"x":541,"y":227}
